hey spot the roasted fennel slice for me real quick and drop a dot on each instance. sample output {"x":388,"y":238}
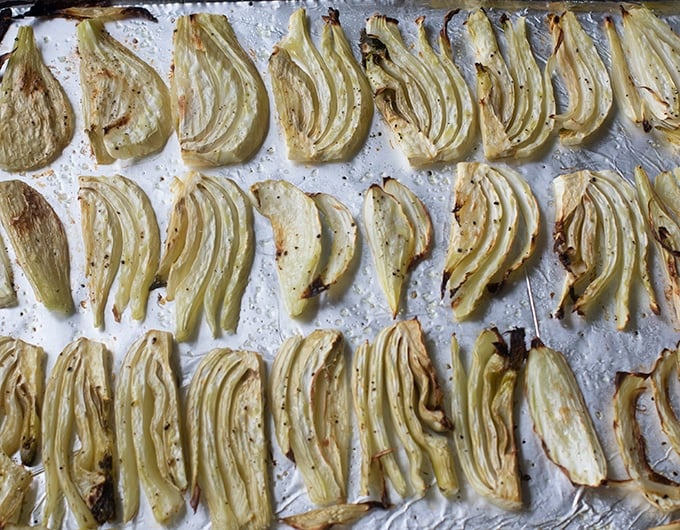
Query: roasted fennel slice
{"x":121,"y":236}
{"x":662,"y":212}
{"x":22,"y":375}
{"x":645,"y":66}
{"x":664,"y":369}
{"x":601,"y":241}
{"x":8,"y":295}
{"x":208,"y":253}
{"x":421,"y":95}
{"x":516,"y":102}
{"x":336,"y":219}
{"x":307,"y":262}
{"x":227,"y":444}
{"x":148,"y":427}
{"x":329,"y":516}
{"x":394,"y":382}
{"x":219,"y":100}
{"x":322,"y":98}
{"x":494,"y":227}
{"x":77,"y":413}
{"x":483,"y":415}
{"x":585,"y":78}
{"x":310,"y":404}
{"x":39,"y":242}
{"x":660,"y":491}
{"x":399,"y":233}
{"x":126,"y":105}
{"x":36,"y":117}
{"x":15,"y":482}
{"x":560,"y":417}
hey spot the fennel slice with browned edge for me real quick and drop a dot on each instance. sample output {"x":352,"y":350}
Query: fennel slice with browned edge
{"x":36,"y":117}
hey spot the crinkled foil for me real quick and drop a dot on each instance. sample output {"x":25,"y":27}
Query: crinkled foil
{"x":357,"y":306}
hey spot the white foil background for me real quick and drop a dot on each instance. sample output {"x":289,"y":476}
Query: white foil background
{"x":357,"y":306}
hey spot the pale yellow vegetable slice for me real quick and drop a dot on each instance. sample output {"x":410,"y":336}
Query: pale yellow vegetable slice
{"x":516,"y":102}
{"x":8,"y":296}
{"x":483,"y":415}
{"x":585,"y":77}
{"x":561,"y":418}
{"x":243,"y":258}
{"x":606,"y":241}
{"x":228,"y":448}
{"x":505,"y":217}
{"x":339,"y":221}
{"x":322,"y":518}
{"x":15,"y":483}
{"x":126,"y":105}
{"x":297,"y":236}
{"x":493,"y":232}
{"x":661,"y":373}
{"x":394,"y":383}
{"x":322,"y":98}
{"x":23,"y":394}
{"x":421,"y":94}
{"x":625,"y":90}
{"x":392,"y":240}
{"x":218,"y":96}
{"x":39,"y":241}
{"x":78,"y":406}
{"x":36,"y":117}
{"x":645,"y":70}
{"x":417,"y":215}
{"x":310,"y":406}
{"x":658,"y":490}
{"x":208,"y":253}
{"x":361,"y":384}
{"x":102,"y":240}
{"x":148,"y":428}
{"x":120,"y":235}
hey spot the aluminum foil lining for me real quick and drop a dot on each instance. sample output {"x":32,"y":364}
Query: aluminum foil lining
{"x":357,"y":306}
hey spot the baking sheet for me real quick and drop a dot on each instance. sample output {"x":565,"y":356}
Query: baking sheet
{"x":357,"y":306}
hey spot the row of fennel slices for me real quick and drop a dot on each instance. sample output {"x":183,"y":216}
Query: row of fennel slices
{"x":600,"y":236}
{"x":218,"y":103}
{"x":142,"y":438}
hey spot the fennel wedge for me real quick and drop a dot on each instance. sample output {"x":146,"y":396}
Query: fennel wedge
{"x":148,"y":428}
{"x":561,"y":418}
{"x":494,"y":226}
{"x":516,"y":102}
{"x":227,"y":443}
{"x":394,"y":382}
{"x":307,"y":263}
{"x":22,"y":375}
{"x":39,"y":241}
{"x":600,"y":239}
{"x":310,"y":405}
{"x":322,"y":98}
{"x":421,"y":95}
{"x":662,"y":212}
{"x":483,"y":415}
{"x":36,"y":117}
{"x":588,"y":86}
{"x":399,"y":232}
{"x":219,"y":99}
{"x":121,"y":236}
{"x":126,"y":105}
{"x":208,"y":253}
{"x":77,"y":410}
{"x":645,"y":65}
